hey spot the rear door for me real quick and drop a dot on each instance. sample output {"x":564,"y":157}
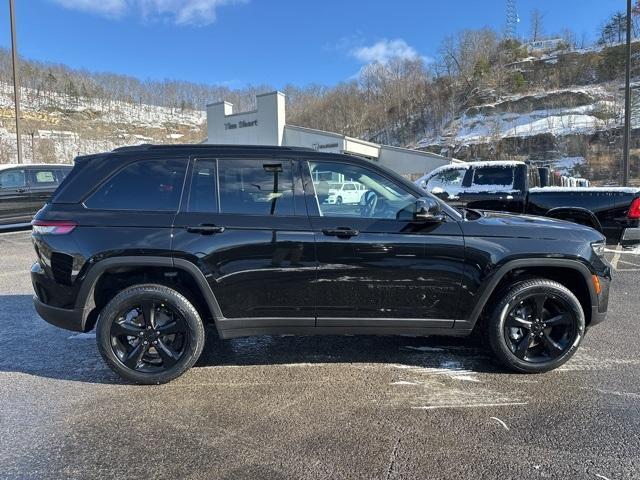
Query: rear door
{"x":43,"y":181}
{"x":244,"y":223}
{"x":14,"y":196}
{"x":377,"y":268}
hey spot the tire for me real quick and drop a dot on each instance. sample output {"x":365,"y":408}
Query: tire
{"x":173,"y":344}
{"x":548,"y":341}
{"x":339,"y":201}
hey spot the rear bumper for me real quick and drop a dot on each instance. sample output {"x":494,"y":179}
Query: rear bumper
{"x":630,"y":236}
{"x":65,"y":314}
{"x":60,"y":317}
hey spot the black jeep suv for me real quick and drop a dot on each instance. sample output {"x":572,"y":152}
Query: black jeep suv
{"x":147,"y":243}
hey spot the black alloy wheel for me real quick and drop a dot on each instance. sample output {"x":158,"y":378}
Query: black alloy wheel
{"x":536,"y":326}
{"x":150,"y":334}
{"x":149,"y":337}
{"x":540,"y":328}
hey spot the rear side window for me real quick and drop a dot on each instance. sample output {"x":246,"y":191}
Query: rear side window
{"x":151,"y":185}
{"x":493,"y":176}
{"x":256,"y":187}
{"x":203,"y":196}
{"x":43,"y":177}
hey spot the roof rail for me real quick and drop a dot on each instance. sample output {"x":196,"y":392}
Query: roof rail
{"x":205,"y":146}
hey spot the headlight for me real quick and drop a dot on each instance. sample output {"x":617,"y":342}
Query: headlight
{"x":598,"y":247}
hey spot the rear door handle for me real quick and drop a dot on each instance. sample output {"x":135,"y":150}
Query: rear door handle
{"x":205,"y":229}
{"x":340,"y":232}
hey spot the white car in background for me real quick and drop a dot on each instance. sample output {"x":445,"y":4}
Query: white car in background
{"x":347,"y":192}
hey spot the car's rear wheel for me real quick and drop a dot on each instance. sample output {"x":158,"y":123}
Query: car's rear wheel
{"x":150,"y":334}
{"x":537,"y":326}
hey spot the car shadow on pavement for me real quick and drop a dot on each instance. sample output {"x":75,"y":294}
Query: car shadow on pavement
{"x":429,"y":352}
{"x":30,"y":346}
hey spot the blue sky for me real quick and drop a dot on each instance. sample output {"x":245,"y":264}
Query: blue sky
{"x":240,"y":42}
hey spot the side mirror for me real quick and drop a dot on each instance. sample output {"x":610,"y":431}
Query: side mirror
{"x":428,"y":210}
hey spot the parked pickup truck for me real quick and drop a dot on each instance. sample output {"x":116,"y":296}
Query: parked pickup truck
{"x":516,"y":187}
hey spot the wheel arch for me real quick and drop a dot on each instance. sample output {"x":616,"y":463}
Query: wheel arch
{"x":90,"y":302}
{"x":571,"y":273}
{"x":569,"y":213}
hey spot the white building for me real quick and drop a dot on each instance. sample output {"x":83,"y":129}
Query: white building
{"x":267,"y":126}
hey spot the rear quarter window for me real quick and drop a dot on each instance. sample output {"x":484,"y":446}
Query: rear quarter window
{"x":150,"y":185}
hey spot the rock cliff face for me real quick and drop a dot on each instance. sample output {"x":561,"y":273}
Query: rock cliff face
{"x":578,"y":130}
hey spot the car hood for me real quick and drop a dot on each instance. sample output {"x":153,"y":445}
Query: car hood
{"x":497,"y":224}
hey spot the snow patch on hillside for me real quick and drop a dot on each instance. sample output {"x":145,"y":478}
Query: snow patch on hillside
{"x":60,"y":127}
{"x":493,"y":121}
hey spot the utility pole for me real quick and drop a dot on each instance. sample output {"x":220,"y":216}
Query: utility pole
{"x":627,"y":102}
{"x":16,"y":85}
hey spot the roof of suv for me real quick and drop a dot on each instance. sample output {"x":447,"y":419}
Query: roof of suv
{"x":6,"y":166}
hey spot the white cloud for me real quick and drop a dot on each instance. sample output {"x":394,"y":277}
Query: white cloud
{"x":103,"y":7}
{"x":180,"y":12}
{"x":384,"y":50}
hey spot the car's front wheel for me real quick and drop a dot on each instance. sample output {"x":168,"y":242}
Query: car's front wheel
{"x":150,"y":334}
{"x":537,"y":326}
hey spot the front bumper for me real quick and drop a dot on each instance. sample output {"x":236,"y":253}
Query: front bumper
{"x":630,"y":236}
{"x":599,"y":311}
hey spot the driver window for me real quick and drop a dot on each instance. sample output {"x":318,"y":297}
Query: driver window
{"x":12,"y":179}
{"x":371,"y":196}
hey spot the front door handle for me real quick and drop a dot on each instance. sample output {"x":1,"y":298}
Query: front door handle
{"x":340,"y":232}
{"x":205,"y":229}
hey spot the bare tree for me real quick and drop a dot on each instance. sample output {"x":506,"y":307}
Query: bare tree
{"x":536,"y":28}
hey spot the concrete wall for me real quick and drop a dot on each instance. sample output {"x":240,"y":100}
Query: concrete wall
{"x":264,"y":126}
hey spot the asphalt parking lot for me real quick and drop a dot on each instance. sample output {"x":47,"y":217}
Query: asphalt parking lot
{"x":317,"y":407}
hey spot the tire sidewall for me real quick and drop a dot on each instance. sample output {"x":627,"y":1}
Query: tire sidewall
{"x":512,"y":297}
{"x":132,"y":297}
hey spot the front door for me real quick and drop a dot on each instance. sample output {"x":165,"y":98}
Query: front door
{"x":243,"y":222}
{"x":376,"y":266}
{"x":14,"y":197}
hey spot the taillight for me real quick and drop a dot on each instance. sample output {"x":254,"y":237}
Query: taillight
{"x":52,"y":227}
{"x":634,"y":209}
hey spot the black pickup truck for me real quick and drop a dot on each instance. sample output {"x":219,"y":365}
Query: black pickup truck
{"x":511,"y":186}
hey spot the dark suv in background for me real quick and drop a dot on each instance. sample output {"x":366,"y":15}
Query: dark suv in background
{"x":148,"y":243}
{"x":24,"y":189}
